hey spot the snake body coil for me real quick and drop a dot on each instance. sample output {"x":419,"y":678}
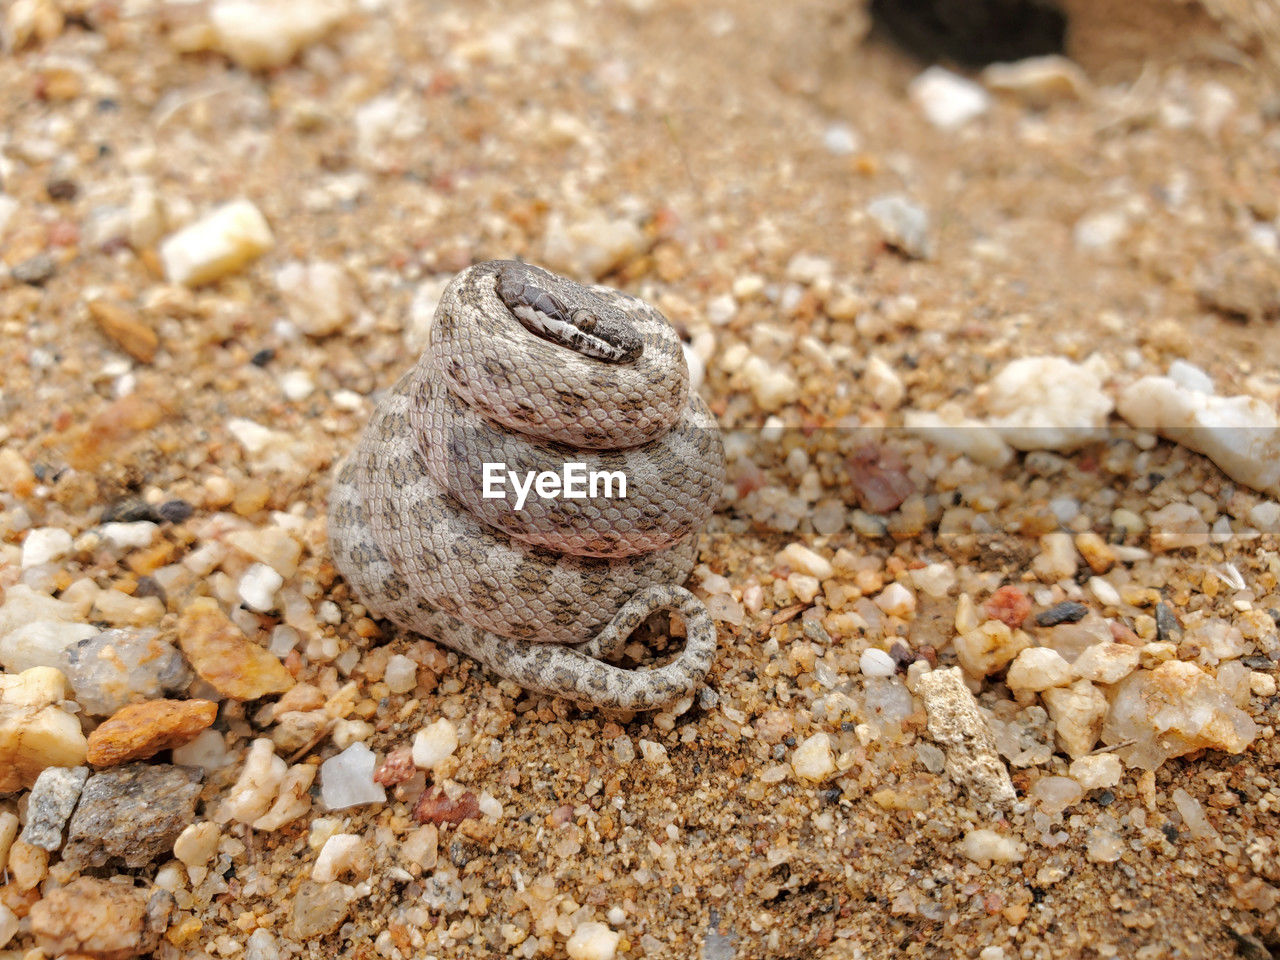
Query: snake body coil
{"x":529,"y":373}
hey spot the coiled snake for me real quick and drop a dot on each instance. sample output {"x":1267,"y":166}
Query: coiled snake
{"x":532,"y":371}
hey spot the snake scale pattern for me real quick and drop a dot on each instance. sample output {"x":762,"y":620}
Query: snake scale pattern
{"x":533,"y":371}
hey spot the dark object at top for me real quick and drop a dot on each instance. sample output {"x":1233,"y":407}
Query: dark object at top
{"x":973,"y":32}
{"x":1066,"y":612}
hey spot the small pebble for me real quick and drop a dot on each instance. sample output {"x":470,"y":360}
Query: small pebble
{"x":1096,"y":771}
{"x":342,"y":853}
{"x":948,"y":100}
{"x":197,"y":844}
{"x":1106,"y":662}
{"x":801,"y":558}
{"x":1047,"y":403}
{"x":1168,"y":627}
{"x":1036,"y":669}
{"x":904,"y":225}
{"x":812,"y":759}
{"x":45,"y":545}
{"x":41,"y":643}
{"x":592,"y":941}
{"x":219,"y":244}
{"x":259,"y":37}
{"x":1240,"y":434}
{"x":840,"y":139}
{"x":36,"y":271}
{"x":990,"y":845}
{"x":1068,"y":611}
{"x":401,"y":674}
{"x":35,"y":731}
{"x":321,"y":298}
{"x":876,"y":663}
{"x":89,"y":917}
{"x":434,"y":743}
{"x":50,"y":803}
{"x":346,"y":780}
{"x":258,"y":586}
{"x":112,"y":668}
{"x":1038,"y":81}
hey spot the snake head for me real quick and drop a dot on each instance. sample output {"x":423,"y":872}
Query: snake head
{"x":578,"y":327}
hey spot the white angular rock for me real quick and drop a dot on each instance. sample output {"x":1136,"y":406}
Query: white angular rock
{"x":1055,"y":794}
{"x":258,"y":586}
{"x":1217,"y":640}
{"x":884,"y":384}
{"x":130,"y":536}
{"x":197,"y":843}
{"x":342,"y":853}
{"x":1047,"y":403}
{"x":1036,"y":669}
{"x":1240,"y":434}
{"x":401,"y":674}
{"x":24,"y":606}
{"x":1077,"y":712}
{"x":1096,"y":770}
{"x":989,"y":648}
{"x":1058,"y":558}
{"x":1170,"y":711}
{"x":42,"y":643}
{"x":1106,"y":662}
{"x":258,"y":782}
{"x":903,"y":224}
{"x":347,"y":779}
{"x":948,"y":100}
{"x":258,"y":35}
{"x":591,"y":940}
{"x":799,"y":557}
{"x":45,"y":545}
{"x":433,"y":743}
{"x":217,"y":245}
{"x":35,"y":732}
{"x":896,"y":600}
{"x":876,"y":663}
{"x":993,"y":846}
{"x":812,"y":759}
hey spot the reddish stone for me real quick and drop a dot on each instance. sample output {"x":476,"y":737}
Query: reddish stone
{"x":1009,"y":605}
{"x":880,"y":480}
{"x":434,"y":806}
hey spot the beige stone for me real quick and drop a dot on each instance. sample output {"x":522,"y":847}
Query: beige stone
{"x":1078,"y":712}
{"x":35,"y":732}
{"x":959,"y":726}
{"x":989,"y":648}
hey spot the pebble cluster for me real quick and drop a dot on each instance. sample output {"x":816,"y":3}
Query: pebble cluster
{"x":995,"y":569}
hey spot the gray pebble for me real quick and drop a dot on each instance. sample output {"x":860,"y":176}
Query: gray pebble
{"x":36,"y":270}
{"x":141,"y":666}
{"x":1066,"y":612}
{"x":53,"y":797}
{"x":132,"y":814}
{"x":1168,"y":629}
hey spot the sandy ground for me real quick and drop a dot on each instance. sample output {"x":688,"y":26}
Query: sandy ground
{"x":717,"y":159}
